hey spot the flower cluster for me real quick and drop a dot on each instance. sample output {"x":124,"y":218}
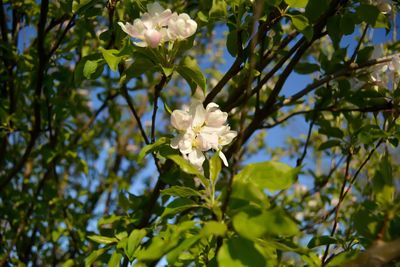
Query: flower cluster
{"x":201,"y":129}
{"x":159,"y":25}
{"x":387,"y":73}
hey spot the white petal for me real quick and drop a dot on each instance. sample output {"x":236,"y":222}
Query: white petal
{"x":180,"y":120}
{"x":212,"y":106}
{"x":196,"y":158}
{"x":152,"y":38}
{"x":223,"y":158}
{"x":216,"y":118}
{"x":175,"y":142}
{"x":207,"y":141}
{"x":227,"y":138}
{"x":198,"y":114}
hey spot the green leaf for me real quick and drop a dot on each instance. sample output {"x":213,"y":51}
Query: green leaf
{"x":167,"y":71}
{"x":321,"y":241}
{"x":179,"y":205}
{"x":245,"y":193}
{"x":79,"y":5}
{"x":364,"y":54}
{"x":90,"y":68}
{"x":238,"y":252}
{"x":315,"y":8}
{"x":185,"y":166}
{"x":103,"y":239}
{"x":342,"y":257}
{"x":232,"y":42}
{"x":134,"y":240}
{"x":181,"y":191}
{"x":111,"y":58}
{"x":165,"y":102}
{"x":191,"y":72}
{"x":347,"y":24}
{"x":115,"y":259}
{"x":154,"y":251}
{"x":202,"y":17}
{"x":173,"y":255}
{"x":331,"y":132}
{"x":215,"y":167}
{"x":69,"y":263}
{"x":151,"y":147}
{"x":214,"y":228}
{"x":300,"y":22}
{"x":333,"y":30}
{"x":297,"y":3}
{"x":93,"y":256}
{"x":306,"y":68}
{"x":269,"y":175}
{"x":218,"y":9}
{"x":140,"y":66}
{"x":368,"y":13}
{"x":253,"y":223}
{"x":329,"y":144}
{"x":108,"y":219}
{"x":383,"y":184}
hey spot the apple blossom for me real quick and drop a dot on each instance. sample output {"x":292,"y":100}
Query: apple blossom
{"x":181,"y":26}
{"x":159,"y":25}
{"x":199,"y":130}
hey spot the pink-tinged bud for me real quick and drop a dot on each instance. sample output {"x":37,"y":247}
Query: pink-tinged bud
{"x":152,"y":38}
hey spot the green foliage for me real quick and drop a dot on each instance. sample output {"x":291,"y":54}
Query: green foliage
{"x":297,"y":3}
{"x":269,"y":175}
{"x":313,"y":178}
{"x":191,"y":72}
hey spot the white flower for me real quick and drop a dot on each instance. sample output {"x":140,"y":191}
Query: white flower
{"x":181,"y":120}
{"x":215,"y":117}
{"x":388,"y":73}
{"x":159,"y":25}
{"x":384,"y":6}
{"x":148,"y":35}
{"x":394,"y":64}
{"x":200,"y":130}
{"x":181,"y":26}
{"x":150,"y":28}
{"x":312,"y":203}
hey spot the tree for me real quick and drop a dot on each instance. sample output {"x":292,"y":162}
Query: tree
{"x":135,"y":132}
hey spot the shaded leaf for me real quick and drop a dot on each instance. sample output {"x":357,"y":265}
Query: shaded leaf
{"x":179,"y":205}
{"x":321,"y":241}
{"x":180,"y":191}
{"x":191,"y":72}
{"x":238,"y":252}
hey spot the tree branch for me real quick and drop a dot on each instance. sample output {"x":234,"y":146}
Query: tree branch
{"x":37,"y":96}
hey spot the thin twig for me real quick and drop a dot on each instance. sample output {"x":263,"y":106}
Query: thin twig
{"x":353,"y":57}
{"x":128,"y":99}
{"x":335,"y":223}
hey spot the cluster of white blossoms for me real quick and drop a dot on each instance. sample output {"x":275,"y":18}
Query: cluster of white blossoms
{"x":199,"y":130}
{"x":158,"y":26}
{"x":387,"y":73}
